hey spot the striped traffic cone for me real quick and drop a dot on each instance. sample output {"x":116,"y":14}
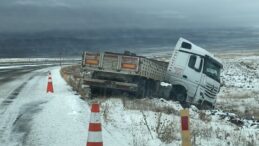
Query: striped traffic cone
{"x":95,"y":129}
{"x":50,"y":85}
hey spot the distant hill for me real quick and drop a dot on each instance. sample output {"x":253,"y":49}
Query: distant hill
{"x":72,"y":43}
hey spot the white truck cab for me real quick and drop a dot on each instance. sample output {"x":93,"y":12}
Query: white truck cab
{"x":194,"y":74}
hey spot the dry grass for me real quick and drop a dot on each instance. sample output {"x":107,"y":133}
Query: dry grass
{"x":166,"y":130}
{"x":237,"y":54}
{"x":136,"y":139}
{"x":147,"y":105}
{"x":249,"y":65}
{"x":106,"y":112}
{"x":71,"y":74}
{"x":234,"y":138}
{"x":243,"y":103}
{"x":204,"y":117}
{"x":238,"y":94}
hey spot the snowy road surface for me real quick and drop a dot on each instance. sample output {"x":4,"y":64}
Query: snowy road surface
{"x":30,"y":116}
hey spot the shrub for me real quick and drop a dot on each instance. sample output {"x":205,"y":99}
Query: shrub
{"x":166,"y":130}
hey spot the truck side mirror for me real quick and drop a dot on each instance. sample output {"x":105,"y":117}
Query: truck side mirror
{"x":197,"y":63}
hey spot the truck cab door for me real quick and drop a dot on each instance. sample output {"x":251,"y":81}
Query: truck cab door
{"x":192,"y":73}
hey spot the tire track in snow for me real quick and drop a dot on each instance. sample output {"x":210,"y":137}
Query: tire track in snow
{"x":11,"y":74}
{"x":21,"y":126}
{"x":4,"y":105}
{"x":15,"y":126}
{"x":13,"y":96}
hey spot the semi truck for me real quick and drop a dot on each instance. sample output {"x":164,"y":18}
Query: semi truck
{"x":192,"y":73}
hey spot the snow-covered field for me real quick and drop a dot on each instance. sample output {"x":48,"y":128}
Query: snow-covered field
{"x":156,"y":122}
{"x":240,"y":91}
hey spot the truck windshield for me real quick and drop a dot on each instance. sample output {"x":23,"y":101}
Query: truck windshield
{"x":212,"y":68}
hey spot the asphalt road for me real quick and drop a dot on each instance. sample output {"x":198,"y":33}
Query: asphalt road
{"x":12,"y":73}
{"x":17,"y":107}
{"x":30,"y":116}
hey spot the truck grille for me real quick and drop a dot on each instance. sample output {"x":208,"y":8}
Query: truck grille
{"x":211,"y":91}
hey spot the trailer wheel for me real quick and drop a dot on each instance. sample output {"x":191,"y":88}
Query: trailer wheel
{"x":141,"y":92}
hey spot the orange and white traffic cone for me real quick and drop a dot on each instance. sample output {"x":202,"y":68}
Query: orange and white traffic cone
{"x":95,"y":129}
{"x":50,"y":85}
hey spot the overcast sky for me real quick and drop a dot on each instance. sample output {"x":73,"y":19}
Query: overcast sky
{"x":41,"y":15}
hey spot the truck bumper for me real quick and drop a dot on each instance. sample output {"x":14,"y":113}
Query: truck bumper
{"x":201,"y":97}
{"x":111,"y":84}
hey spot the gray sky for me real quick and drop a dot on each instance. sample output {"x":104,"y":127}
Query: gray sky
{"x":40,"y":15}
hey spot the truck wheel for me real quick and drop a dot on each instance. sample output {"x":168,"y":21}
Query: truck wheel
{"x":205,"y":106}
{"x":178,"y":93}
{"x":141,"y":93}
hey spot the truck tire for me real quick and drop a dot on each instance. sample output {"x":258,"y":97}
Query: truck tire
{"x":205,"y":106}
{"x":179,"y":93}
{"x":141,"y":93}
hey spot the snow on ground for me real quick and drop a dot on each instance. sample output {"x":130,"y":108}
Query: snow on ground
{"x":240,"y":91}
{"x":10,"y":86}
{"x":64,"y":118}
{"x":156,"y":122}
{"x":16,"y":109}
{"x":19,"y":66}
{"x":31,"y":116}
